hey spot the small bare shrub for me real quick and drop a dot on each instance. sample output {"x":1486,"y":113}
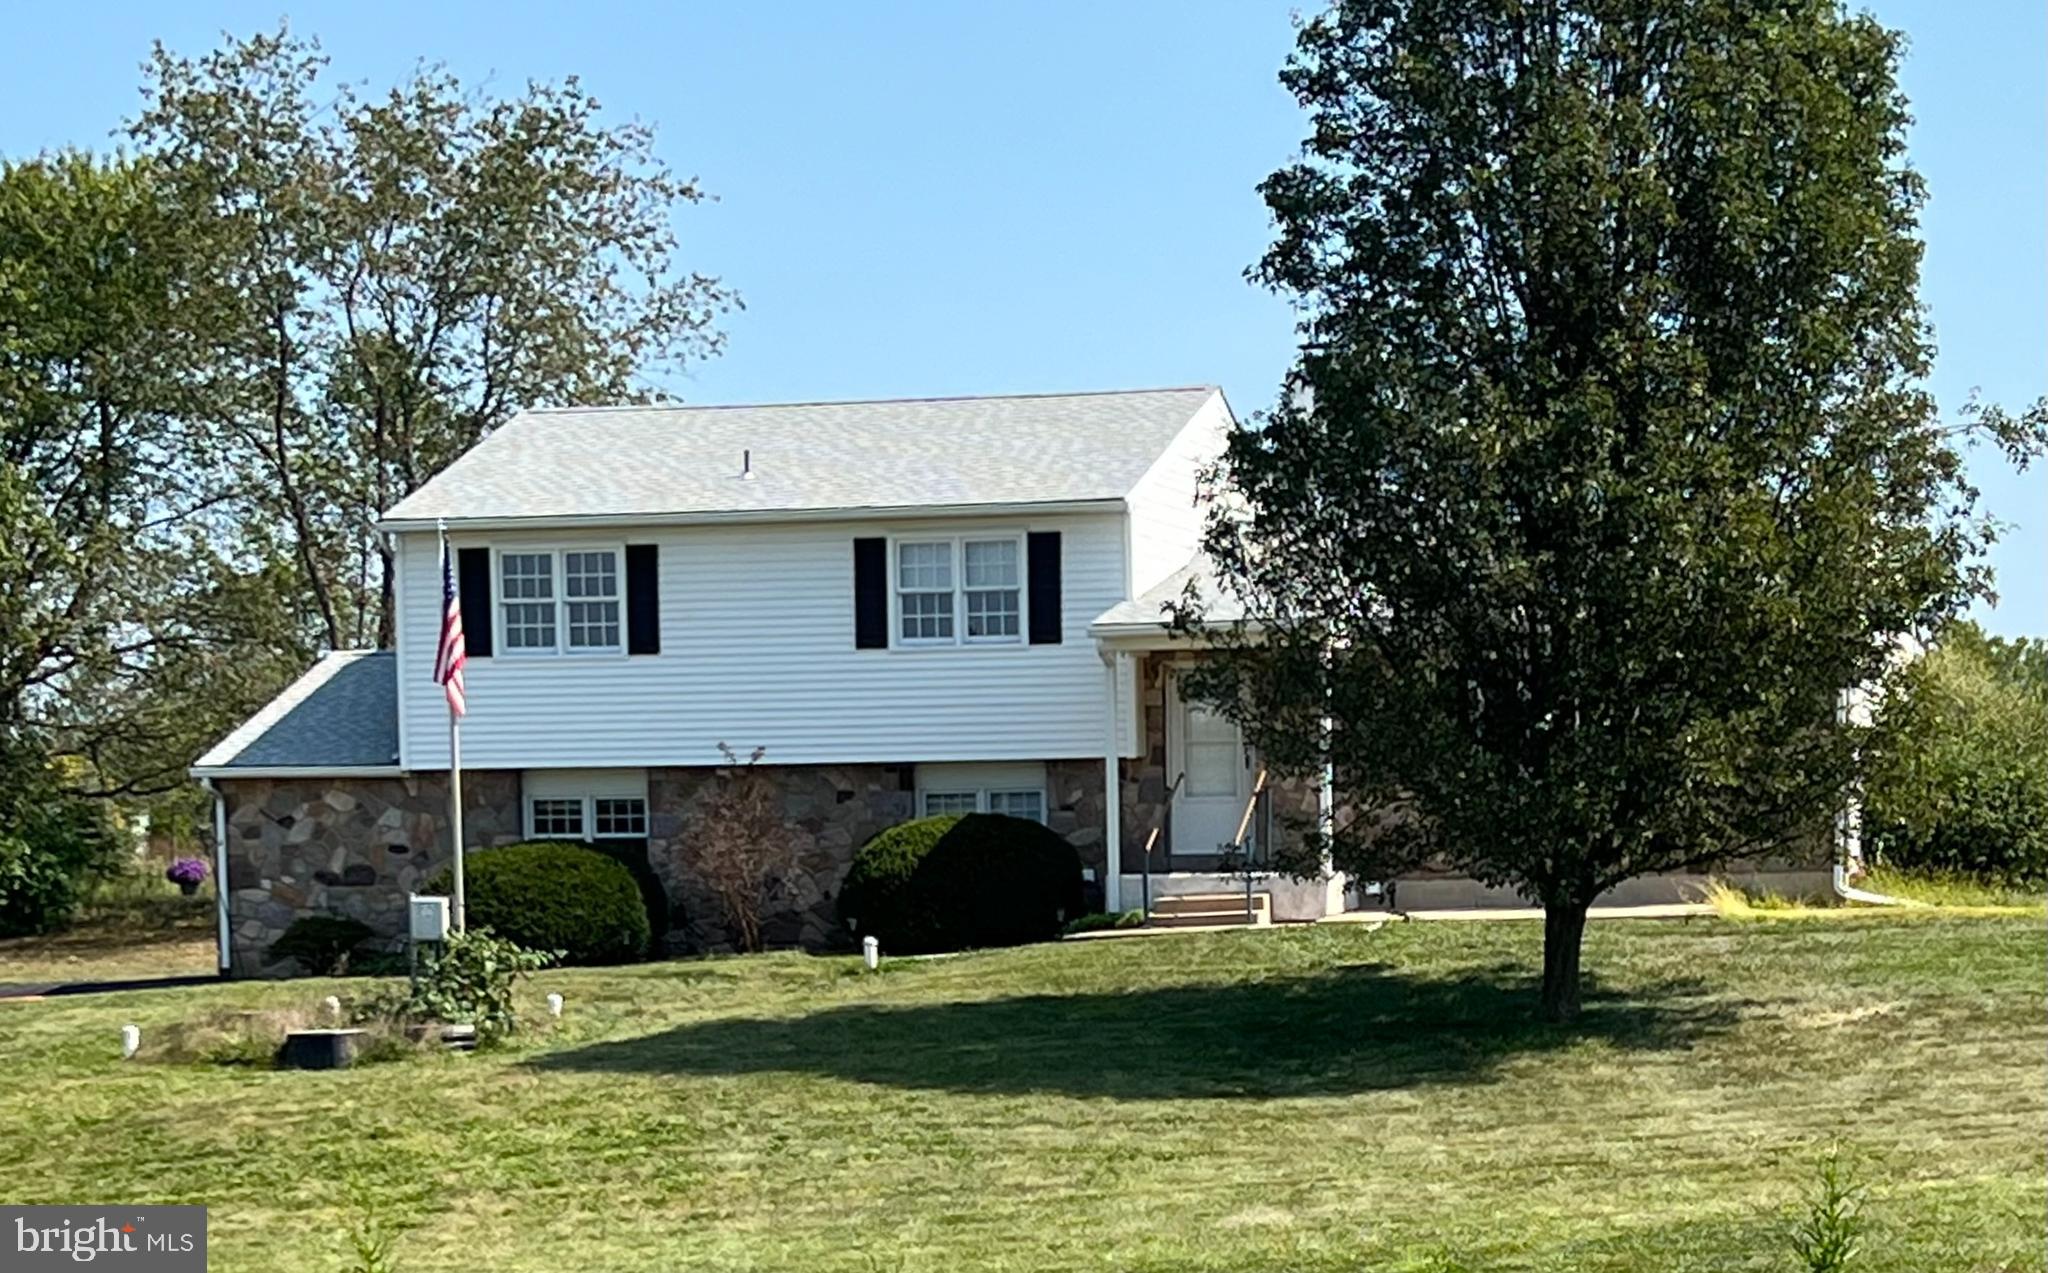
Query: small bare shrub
{"x":738,"y":845}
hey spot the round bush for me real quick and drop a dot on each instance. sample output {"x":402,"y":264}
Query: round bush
{"x":551,"y":896}
{"x":320,"y":943}
{"x":952,"y":883}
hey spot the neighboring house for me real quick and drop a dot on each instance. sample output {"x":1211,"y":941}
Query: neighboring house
{"x":923,"y":606}
{"x":915,"y":607}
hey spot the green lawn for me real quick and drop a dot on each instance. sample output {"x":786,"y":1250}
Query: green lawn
{"x":1326,"y":1098}
{"x":140,"y":929}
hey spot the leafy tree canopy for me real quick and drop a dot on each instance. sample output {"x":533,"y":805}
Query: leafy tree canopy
{"x":225,"y":353}
{"x":1606,"y":464}
{"x":1959,"y":760}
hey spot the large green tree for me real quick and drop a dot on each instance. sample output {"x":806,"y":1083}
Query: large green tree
{"x":1958,"y":773}
{"x":124,"y":637}
{"x":393,"y":274}
{"x":223,"y":356}
{"x":1606,"y":464}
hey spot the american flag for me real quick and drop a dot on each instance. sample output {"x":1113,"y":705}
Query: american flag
{"x":454,"y":650}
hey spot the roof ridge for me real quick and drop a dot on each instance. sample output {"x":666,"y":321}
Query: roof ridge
{"x":870,"y":402}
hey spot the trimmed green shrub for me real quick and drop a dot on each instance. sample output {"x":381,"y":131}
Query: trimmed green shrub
{"x":1101,"y":921}
{"x":952,"y":883}
{"x":546,"y":895}
{"x":320,"y":943}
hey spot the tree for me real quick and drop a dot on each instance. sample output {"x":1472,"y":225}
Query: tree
{"x":120,"y":630}
{"x":396,"y":275}
{"x":1958,"y":775}
{"x":1605,"y":464}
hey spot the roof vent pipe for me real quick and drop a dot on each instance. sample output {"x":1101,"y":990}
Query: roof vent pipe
{"x":747,"y":465}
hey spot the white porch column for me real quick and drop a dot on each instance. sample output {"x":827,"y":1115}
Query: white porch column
{"x":1334,"y":883}
{"x":1112,"y":795}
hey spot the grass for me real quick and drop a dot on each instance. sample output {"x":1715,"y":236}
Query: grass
{"x":1328,"y":1098}
{"x":1923,"y":892}
{"x":1953,"y":890}
{"x":129,"y":928}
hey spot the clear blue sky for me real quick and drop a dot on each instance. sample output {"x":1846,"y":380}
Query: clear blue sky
{"x":974,"y":198}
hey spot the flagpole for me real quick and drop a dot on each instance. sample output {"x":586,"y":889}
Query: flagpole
{"x":454,"y":778}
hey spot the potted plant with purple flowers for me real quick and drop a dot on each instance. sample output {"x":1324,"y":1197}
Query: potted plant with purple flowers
{"x":187,"y":873}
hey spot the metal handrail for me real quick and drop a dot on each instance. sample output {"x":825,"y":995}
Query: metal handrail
{"x":1164,"y":822}
{"x":1237,"y":845}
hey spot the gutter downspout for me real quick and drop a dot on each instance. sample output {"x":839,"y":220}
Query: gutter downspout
{"x":220,"y":873}
{"x":1848,"y":893}
{"x":1849,"y":831}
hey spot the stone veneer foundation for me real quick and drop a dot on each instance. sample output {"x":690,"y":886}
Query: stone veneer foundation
{"x":356,"y":847}
{"x":829,"y":811}
{"x":353,"y":847}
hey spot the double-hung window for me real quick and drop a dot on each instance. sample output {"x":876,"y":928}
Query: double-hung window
{"x":993,"y":592}
{"x":560,"y":602}
{"x":960,"y":591}
{"x":591,"y":581}
{"x":526,"y":591}
{"x":924,"y":592}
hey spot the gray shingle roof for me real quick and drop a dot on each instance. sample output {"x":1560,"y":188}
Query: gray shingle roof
{"x":1150,"y":609}
{"x":640,"y":461}
{"x":342,"y":714}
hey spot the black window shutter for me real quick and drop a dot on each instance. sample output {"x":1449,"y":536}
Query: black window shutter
{"x":870,"y":594}
{"x":1042,"y":548}
{"x":473,"y":583}
{"x":643,"y":599}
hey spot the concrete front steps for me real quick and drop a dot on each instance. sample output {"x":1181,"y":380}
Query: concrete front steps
{"x":1209,"y":910}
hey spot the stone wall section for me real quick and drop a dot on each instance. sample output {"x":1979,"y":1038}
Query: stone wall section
{"x":829,"y":810}
{"x":353,"y":847}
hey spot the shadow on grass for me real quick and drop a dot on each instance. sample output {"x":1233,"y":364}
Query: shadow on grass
{"x":1353,"y":1029}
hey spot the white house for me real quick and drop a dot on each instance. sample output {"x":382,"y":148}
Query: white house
{"x":913,"y":606}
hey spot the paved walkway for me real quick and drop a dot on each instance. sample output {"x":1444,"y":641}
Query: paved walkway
{"x":1374,"y":919}
{"x":1667,"y":910}
{"x":54,"y":989}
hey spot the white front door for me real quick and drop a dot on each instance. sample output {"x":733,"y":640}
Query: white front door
{"x":1206,"y":750}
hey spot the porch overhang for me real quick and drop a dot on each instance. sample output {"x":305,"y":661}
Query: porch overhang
{"x":1149,"y":621}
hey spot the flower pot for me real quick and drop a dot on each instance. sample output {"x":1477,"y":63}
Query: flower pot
{"x":188,"y":887}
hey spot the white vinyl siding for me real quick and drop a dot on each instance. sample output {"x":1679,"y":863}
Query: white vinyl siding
{"x":1166,"y":515}
{"x":757,"y":650}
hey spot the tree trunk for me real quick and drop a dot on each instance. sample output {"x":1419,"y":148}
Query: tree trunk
{"x":1564,"y":929}
{"x":387,"y":598}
